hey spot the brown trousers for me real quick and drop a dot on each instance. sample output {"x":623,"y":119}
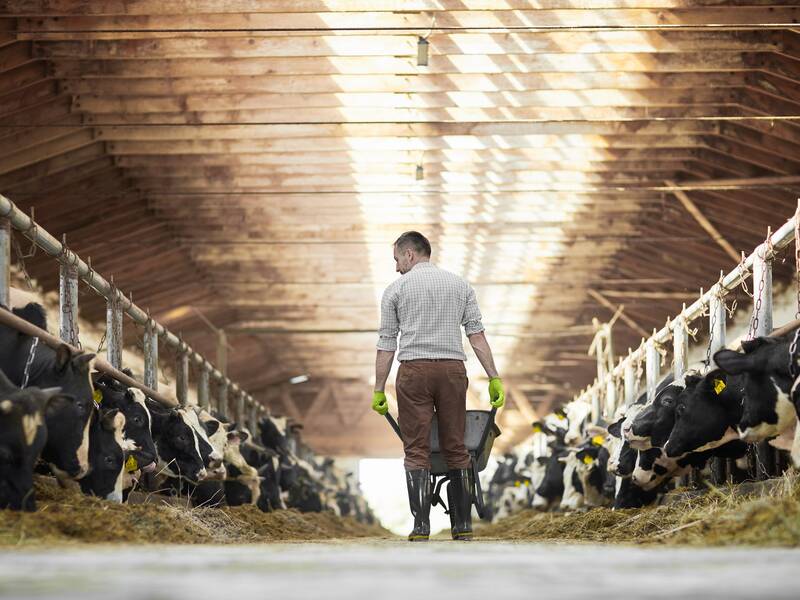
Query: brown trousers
{"x":422,"y":387}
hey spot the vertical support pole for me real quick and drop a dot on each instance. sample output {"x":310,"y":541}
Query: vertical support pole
{"x":222,"y":398}
{"x":762,"y":297}
{"x":182,"y":375}
{"x":5,"y":262}
{"x":611,"y":398}
{"x":240,"y":412}
{"x":222,"y":351}
{"x":203,"y":387}
{"x":253,"y":417}
{"x":114,"y":329}
{"x":680,"y":350}
{"x":151,"y":355}
{"x":68,"y":305}
{"x":652,"y":368}
{"x":595,"y":399}
{"x":629,"y":375}
{"x":680,"y":346}
{"x":721,"y":468}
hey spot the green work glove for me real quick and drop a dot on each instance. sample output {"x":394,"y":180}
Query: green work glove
{"x":379,"y":404}
{"x":497,"y":395}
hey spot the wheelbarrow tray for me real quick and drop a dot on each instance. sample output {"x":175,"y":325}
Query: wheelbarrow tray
{"x":476,"y":423}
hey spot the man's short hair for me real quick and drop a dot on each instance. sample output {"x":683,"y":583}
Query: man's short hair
{"x":416,"y":241}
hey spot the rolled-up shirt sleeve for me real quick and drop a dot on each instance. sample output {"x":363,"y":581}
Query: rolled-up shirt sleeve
{"x":472,"y":314}
{"x":390,"y":325}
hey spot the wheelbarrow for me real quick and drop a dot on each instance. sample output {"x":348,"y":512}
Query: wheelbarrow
{"x":479,"y":435}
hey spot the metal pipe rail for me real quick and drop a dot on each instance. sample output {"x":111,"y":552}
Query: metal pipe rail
{"x":72,"y":263}
{"x":765,"y":252}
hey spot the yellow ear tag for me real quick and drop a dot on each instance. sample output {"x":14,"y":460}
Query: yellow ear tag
{"x":587,"y":460}
{"x":131,"y":465}
{"x":560,"y":417}
{"x":719,"y":385}
{"x":97,"y":396}
{"x":598,"y":440}
{"x":537,"y":428}
{"x":516,"y":484}
{"x":527,"y":483}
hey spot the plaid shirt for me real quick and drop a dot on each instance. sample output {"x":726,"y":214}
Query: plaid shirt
{"x":427,"y":306}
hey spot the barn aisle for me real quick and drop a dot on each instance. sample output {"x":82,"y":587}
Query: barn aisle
{"x":389,"y":570}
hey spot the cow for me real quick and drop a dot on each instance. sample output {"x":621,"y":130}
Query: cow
{"x":108,"y":450}
{"x":577,"y":414}
{"x":551,"y":490}
{"x":131,"y":402}
{"x":707,"y":414}
{"x":67,"y":419}
{"x":177,"y":444}
{"x":592,"y":470}
{"x":243,"y":483}
{"x":572,"y":497}
{"x":23,"y":434}
{"x":652,"y":423}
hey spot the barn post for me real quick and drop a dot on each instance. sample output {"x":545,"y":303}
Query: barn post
{"x":680,"y":350}
{"x":68,"y":304}
{"x":253,"y":417}
{"x":595,"y":402}
{"x":240,"y":412}
{"x":150,"y":354}
{"x":203,"y":387}
{"x":222,"y":397}
{"x":722,"y":469}
{"x":652,"y":368}
{"x":182,"y":375}
{"x":114,"y":329}
{"x":761,"y":325}
{"x":5,"y":262}
{"x":629,"y":377}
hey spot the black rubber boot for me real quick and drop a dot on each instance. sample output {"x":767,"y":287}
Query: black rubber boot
{"x":461,"y":504}
{"x":419,"y":499}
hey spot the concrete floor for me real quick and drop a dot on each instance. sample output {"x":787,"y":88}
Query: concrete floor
{"x":388,"y":570}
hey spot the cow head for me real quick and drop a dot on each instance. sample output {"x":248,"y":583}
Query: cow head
{"x":131,"y":402}
{"x":177,"y":444}
{"x":22,"y":437}
{"x":107,"y":453}
{"x":653,"y":423}
{"x":705,"y":415}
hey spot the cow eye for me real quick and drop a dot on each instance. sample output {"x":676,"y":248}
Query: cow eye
{"x":109,"y":460}
{"x":137,"y":420}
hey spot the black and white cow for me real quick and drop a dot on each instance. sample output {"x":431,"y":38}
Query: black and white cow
{"x":22,"y":437}
{"x":131,"y":402}
{"x":108,"y":450}
{"x":177,"y":444}
{"x":551,"y":490}
{"x":67,"y":419}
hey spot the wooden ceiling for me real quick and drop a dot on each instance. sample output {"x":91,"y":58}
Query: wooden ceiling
{"x":254,"y":161}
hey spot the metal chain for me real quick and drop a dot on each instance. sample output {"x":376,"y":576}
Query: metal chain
{"x":754,"y":321}
{"x":102,"y":341}
{"x":26,"y":375}
{"x":711,"y":339}
{"x":793,"y":353}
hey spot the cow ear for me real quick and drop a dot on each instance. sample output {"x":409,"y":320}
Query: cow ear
{"x":211,"y":427}
{"x":752,"y":345}
{"x":244,"y":435}
{"x":6,"y":407}
{"x":46,"y":396}
{"x":107,"y":418}
{"x":734,"y":363}
{"x":543,"y":460}
{"x":63,"y":357}
{"x":615,"y":429}
{"x":83,"y":361}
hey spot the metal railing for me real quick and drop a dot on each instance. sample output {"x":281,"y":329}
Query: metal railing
{"x":74,"y":269}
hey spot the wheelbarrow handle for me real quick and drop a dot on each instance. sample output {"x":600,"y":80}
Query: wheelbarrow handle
{"x":487,"y":428}
{"x":394,"y":424}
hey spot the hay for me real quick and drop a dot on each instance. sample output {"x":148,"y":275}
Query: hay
{"x":765,"y":516}
{"x":68,"y":517}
